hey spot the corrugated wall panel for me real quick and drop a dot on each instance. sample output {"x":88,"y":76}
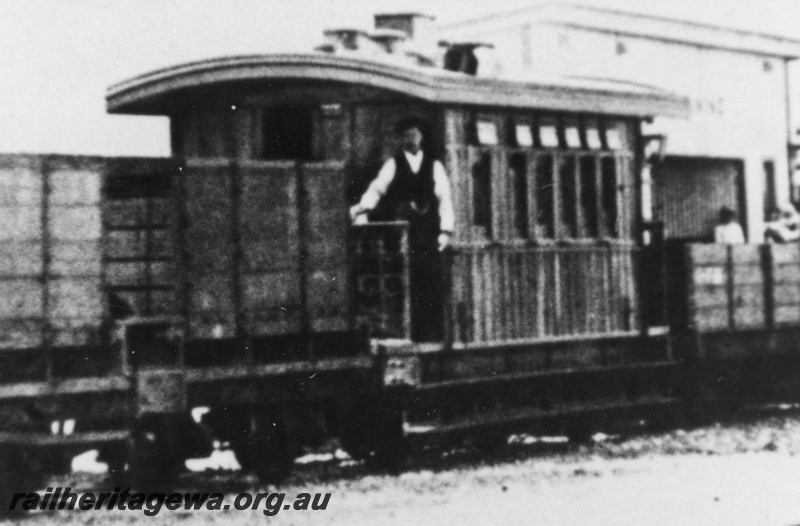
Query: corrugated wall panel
{"x":689,"y":193}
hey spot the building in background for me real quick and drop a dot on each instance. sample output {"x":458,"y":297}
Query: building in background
{"x":735,"y":148}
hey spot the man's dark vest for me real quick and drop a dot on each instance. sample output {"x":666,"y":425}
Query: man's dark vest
{"x":412,"y":195}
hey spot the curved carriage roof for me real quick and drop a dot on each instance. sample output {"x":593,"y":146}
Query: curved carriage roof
{"x":150,"y":94}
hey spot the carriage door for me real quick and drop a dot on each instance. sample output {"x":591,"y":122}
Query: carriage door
{"x":688,"y":193}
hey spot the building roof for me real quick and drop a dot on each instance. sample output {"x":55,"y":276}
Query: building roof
{"x":632,"y":24}
{"x":154,"y":93}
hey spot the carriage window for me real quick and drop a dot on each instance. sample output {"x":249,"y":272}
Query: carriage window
{"x":487,"y":133}
{"x":482,"y":193}
{"x":287,"y":133}
{"x":608,"y":176}
{"x":593,"y":141}
{"x":566,"y":175}
{"x":572,"y":136}
{"x":548,"y":135}
{"x":211,"y":130}
{"x":523,"y":135}
{"x":613,"y":139}
{"x":588,"y":178}
{"x":518,"y":175}
{"x":544,"y":196}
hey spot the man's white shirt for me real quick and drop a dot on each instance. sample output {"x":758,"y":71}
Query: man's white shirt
{"x":441,"y":188}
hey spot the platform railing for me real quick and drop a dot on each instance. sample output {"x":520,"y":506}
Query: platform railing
{"x":496,"y":294}
{"x":381,"y":278}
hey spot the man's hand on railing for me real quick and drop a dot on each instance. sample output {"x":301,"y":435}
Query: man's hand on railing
{"x":444,"y":241}
{"x":358,"y":215}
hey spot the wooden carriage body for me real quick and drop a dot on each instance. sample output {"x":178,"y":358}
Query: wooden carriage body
{"x":545,"y":180}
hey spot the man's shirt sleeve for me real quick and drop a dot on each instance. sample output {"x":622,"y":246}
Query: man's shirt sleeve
{"x":441,"y":187}
{"x":378,"y":186}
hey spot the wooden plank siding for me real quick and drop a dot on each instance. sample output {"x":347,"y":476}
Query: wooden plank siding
{"x":785,"y":284}
{"x":265,"y":248}
{"x":139,"y":223}
{"x":727,"y":287}
{"x":516,"y":293}
{"x":553,"y":254}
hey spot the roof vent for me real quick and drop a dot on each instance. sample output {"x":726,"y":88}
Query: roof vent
{"x":391,"y":40}
{"x":346,"y":39}
{"x":418,"y":27}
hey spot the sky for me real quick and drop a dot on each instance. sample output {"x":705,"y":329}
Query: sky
{"x":57,"y":58}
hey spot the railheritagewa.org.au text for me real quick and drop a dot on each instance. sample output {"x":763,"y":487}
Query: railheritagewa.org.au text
{"x":153,"y":503}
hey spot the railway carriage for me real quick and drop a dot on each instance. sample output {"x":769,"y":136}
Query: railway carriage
{"x":228,"y":276}
{"x":542,"y":275}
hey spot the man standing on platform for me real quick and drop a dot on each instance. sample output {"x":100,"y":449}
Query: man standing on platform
{"x":413,"y":186}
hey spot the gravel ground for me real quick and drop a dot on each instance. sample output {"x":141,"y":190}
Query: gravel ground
{"x":745,"y":473}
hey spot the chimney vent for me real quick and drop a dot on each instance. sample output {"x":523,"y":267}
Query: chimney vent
{"x":389,"y":39}
{"x":419,"y":27}
{"x":460,"y":56}
{"x":349,"y":39}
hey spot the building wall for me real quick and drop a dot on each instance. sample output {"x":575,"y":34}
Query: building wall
{"x":738,"y":100}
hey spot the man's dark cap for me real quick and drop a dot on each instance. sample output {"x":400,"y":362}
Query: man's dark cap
{"x":407,"y":123}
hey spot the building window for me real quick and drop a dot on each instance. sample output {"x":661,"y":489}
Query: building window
{"x":770,"y":198}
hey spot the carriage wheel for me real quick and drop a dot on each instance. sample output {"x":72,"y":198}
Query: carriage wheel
{"x":491,"y":444}
{"x":580,"y":433}
{"x":117,"y":459}
{"x":391,"y":449}
{"x":269,"y":454}
{"x":17,"y":473}
{"x":152,"y":465}
{"x":356,"y":429}
{"x":261,"y":444}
